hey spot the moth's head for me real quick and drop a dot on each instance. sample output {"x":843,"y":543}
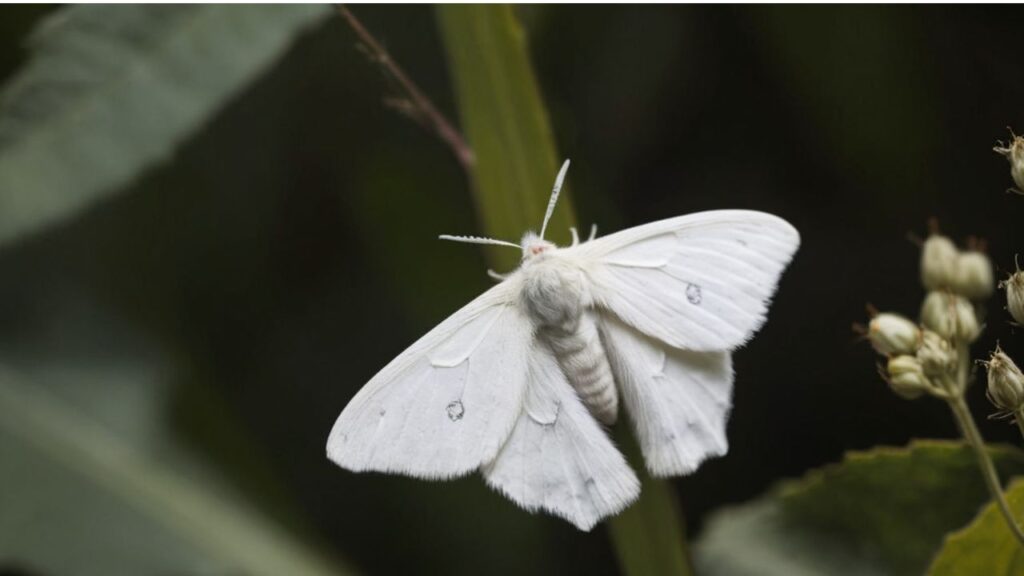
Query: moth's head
{"x":533,"y":246}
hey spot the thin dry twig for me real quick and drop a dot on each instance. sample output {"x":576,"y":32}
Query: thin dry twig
{"x":418,"y":105}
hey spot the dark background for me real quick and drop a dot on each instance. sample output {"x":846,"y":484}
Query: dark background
{"x":288,"y":251}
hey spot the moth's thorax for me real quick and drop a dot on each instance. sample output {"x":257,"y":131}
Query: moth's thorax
{"x":534,"y":246}
{"x":554,"y":290}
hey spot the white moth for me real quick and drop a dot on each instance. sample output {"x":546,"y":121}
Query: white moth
{"x":518,"y":383}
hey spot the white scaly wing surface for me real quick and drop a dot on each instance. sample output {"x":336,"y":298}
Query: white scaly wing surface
{"x":445,"y":406}
{"x":677,"y":400}
{"x":558,"y":459}
{"x":698,"y":282}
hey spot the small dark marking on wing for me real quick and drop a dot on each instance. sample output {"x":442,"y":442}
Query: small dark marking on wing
{"x":455,"y":410}
{"x":693,"y":294}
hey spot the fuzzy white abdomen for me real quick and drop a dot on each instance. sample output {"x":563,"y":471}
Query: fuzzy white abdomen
{"x":555,"y":297}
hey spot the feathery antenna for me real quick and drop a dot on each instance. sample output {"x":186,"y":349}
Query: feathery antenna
{"x":477,"y":240}
{"x":554,"y":197}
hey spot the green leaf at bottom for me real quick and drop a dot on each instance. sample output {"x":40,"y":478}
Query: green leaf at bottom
{"x":884,"y":511}
{"x":986,"y":546}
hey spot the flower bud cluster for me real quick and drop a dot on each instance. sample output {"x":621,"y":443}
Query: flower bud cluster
{"x":944,"y":267}
{"x":916,"y":357}
{"x":929,"y":357}
{"x":1015,"y":154}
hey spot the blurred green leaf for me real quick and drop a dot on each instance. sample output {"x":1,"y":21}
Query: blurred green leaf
{"x":986,"y":545}
{"x":110,"y":90}
{"x":507,"y":126}
{"x":505,"y":123}
{"x":883,"y":511}
{"x":79,"y":499}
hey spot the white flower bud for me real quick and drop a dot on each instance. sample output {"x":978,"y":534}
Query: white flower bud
{"x":973,"y":276}
{"x":906,"y":377}
{"x":1005,"y":382}
{"x":936,"y":355}
{"x":938,"y":262}
{"x":893,"y":334}
{"x":1015,"y":295}
{"x":951,"y":316}
{"x":1015,"y":154}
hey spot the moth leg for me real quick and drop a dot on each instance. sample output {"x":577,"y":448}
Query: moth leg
{"x":593,"y":232}
{"x":495,"y":276}
{"x":575,"y":235}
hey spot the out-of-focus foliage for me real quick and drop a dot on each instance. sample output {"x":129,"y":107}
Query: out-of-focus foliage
{"x":78,"y":499}
{"x":883,"y":511}
{"x":109,"y":90}
{"x":94,"y":478}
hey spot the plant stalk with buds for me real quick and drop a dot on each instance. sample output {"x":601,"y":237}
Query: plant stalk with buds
{"x":935,"y":359}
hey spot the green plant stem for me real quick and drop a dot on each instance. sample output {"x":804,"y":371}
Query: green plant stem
{"x":506,"y":123}
{"x":963,"y":374}
{"x":962,"y":413}
{"x":649,"y":536}
{"x":988,"y":470}
{"x":503,"y":116}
